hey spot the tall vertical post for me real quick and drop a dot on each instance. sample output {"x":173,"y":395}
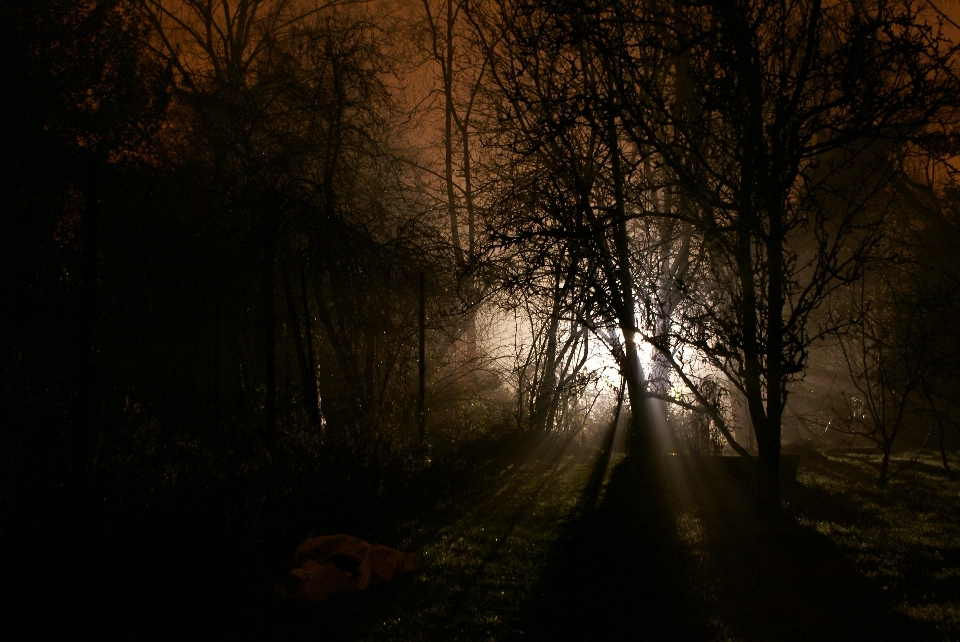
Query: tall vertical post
{"x":421,"y":410}
{"x":216,"y":354}
{"x":311,"y":360}
{"x":84,"y":413}
{"x":269,"y":323}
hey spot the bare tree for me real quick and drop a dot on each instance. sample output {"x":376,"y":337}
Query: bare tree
{"x":551,"y":350}
{"x":88,"y":99}
{"x":231,"y":73}
{"x":587,"y":201}
{"x":887,"y":351}
{"x":801,"y":108}
{"x":287,"y":102}
{"x":460,"y":66}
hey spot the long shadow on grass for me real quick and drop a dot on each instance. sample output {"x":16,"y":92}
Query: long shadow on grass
{"x":619,"y":571}
{"x":475,"y":549}
{"x":624,"y":570}
{"x":781,"y":581}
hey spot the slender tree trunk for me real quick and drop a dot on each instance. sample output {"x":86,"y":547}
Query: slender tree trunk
{"x":216,"y":356}
{"x":308,"y":382}
{"x":308,"y":331}
{"x":422,"y":363}
{"x":940,"y":425}
{"x":548,"y":384}
{"x":469,"y":285}
{"x":768,"y":441}
{"x":85,"y":420}
{"x":885,"y":464}
{"x":943,"y":454}
{"x":616,"y":415}
{"x":269,"y":332}
{"x":640,"y":444}
{"x":765,"y":427}
{"x":448,"y":141}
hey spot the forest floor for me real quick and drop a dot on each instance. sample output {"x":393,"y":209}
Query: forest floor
{"x":565,"y":539}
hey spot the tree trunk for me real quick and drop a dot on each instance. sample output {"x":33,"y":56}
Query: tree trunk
{"x":83,"y":412}
{"x":216,"y":357}
{"x":269,"y":334}
{"x":448,"y":142}
{"x":422,"y":362}
{"x":768,"y":474}
{"x":885,"y":464}
{"x":308,"y":383}
{"x":940,"y":425}
{"x":943,"y":454}
{"x":548,"y":384}
{"x":640,"y":443}
{"x":765,"y":421}
{"x":308,"y":332}
{"x":616,"y":414}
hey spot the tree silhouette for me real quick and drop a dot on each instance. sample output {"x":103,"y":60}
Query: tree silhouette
{"x":802,"y":109}
{"x":88,"y":98}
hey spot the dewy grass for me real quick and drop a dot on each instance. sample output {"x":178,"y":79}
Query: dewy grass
{"x":489,"y":552}
{"x":482,"y":569}
{"x":904,"y":535}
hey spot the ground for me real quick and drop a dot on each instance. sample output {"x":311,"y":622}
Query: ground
{"x":567,"y":539}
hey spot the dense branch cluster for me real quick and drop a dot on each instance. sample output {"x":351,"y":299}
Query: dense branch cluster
{"x":293,"y":227}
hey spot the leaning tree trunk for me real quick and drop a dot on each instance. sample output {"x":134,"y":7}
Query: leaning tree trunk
{"x":548,"y":384}
{"x":640,"y":442}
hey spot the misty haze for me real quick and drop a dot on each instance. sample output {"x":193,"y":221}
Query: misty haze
{"x":480,"y":320}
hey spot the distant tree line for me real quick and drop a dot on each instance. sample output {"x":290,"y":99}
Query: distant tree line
{"x":217,"y":241}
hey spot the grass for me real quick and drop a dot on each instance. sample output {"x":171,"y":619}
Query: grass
{"x":904,"y":536}
{"x":546,"y":541}
{"x":850,"y":561}
{"x":562,"y":539}
{"x":484,"y":549}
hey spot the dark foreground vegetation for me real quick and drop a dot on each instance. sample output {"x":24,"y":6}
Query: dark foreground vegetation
{"x":533,"y":539}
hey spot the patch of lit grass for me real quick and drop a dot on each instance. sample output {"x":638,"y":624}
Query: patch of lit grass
{"x":483,"y":564}
{"x":945,"y":616}
{"x":904,"y":535}
{"x":690,"y":530}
